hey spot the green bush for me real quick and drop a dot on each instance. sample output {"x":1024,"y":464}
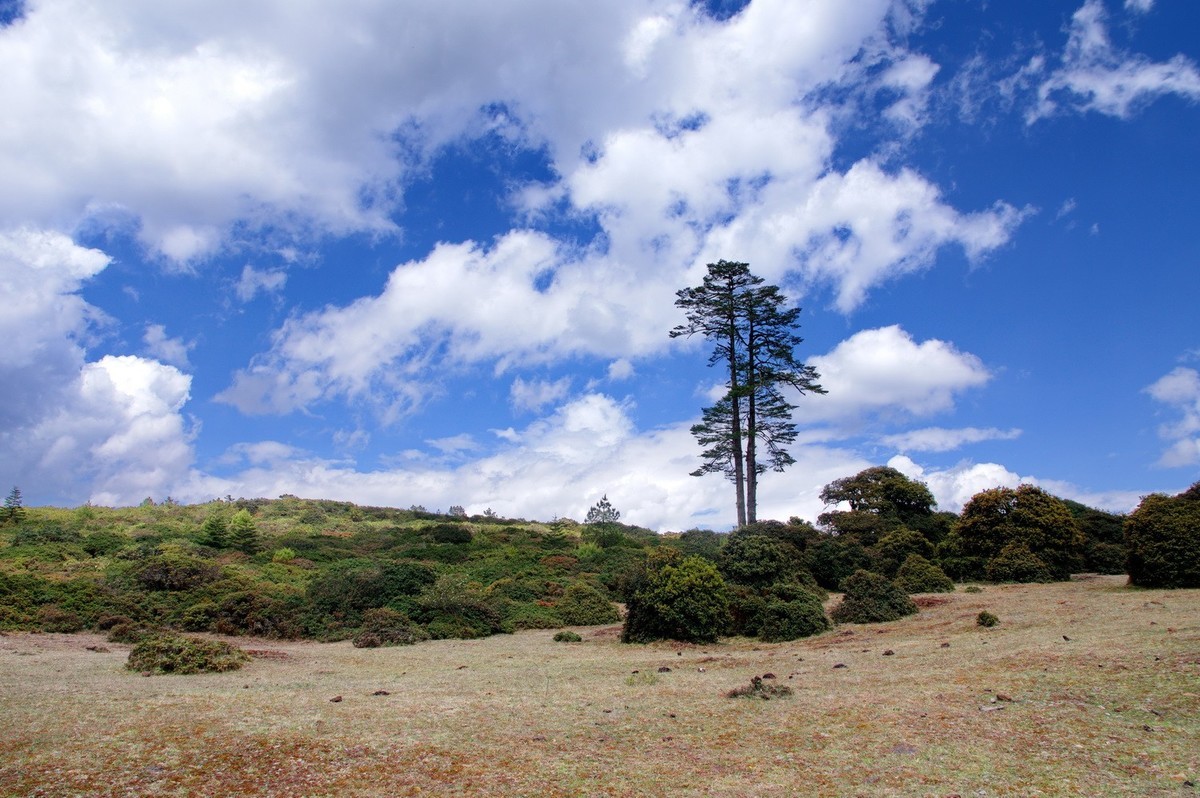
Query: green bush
{"x":757,"y":560}
{"x":518,"y":615}
{"x":184,"y":655}
{"x":567,"y":636}
{"x":1162,"y":537}
{"x":99,"y":544}
{"x":451,"y":533}
{"x":996,"y":519}
{"x":832,"y":559}
{"x":677,"y":600}
{"x":871,"y":598}
{"x":33,"y":533}
{"x":454,"y":607}
{"x":345,"y":589}
{"x":919,"y":575}
{"x":792,"y":620}
{"x":986,"y":619}
{"x":1016,"y":563}
{"x":129,"y":632}
{"x":55,"y":619}
{"x":175,"y":571}
{"x":384,"y":626}
{"x":584,"y":605}
{"x":891,"y":551}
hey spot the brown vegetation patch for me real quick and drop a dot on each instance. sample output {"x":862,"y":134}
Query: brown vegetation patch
{"x":924,"y":602}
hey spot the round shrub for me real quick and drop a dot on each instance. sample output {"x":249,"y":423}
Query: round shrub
{"x":183,"y":655}
{"x":175,"y":572}
{"x":998,"y":518}
{"x":518,"y":615}
{"x":55,"y":619}
{"x":677,"y":600}
{"x":451,"y":533}
{"x":834,"y":558}
{"x":567,"y":636}
{"x":986,"y":619}
{"x":792,"y":620}
{"x":871,"y":598}
{"x":384,"y":626}
{"x":584,"y":605}
{"x":757,"y":560}
{"x":919,"y":575}
{"x":1162,"y":537}
{"x":1016,"y":563}
{"x":129,"y":633}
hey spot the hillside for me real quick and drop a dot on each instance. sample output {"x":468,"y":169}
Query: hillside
{"x":309,"y":569}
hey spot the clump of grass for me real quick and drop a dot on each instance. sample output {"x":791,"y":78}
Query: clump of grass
{"x":986,"y":619}
{"x":184,"y":655}
{"x":759,"y":688}
{"x":641,"y":679}
{"x":567,"y":637}
{"x":972,"y":589}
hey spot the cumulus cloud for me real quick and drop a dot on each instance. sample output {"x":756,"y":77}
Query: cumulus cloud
{"x":939,"y":439}
{"x":162,"y":347}
{"x":953,"y":487}
{"x":1097,"y":76}
{"x":382,"y":346}
{"x":254,"y":281}
{"x":536,"y":394}
{"x":1180,"y":391}
{"x":884,"y":372}
{"x":110,"y":430}
{"x":558,"y":465}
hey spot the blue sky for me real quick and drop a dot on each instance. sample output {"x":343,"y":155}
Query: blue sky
{"x":418,"y":253}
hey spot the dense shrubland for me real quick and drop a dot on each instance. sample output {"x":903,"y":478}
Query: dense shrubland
{"x":326,"y":570}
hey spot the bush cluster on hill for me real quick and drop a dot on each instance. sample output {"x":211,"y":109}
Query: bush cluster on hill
{"x":294,"y":568}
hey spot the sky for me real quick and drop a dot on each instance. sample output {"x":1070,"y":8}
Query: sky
{"x":417,"y":253}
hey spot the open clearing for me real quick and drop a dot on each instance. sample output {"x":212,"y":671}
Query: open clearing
{"x":1084,"y":688}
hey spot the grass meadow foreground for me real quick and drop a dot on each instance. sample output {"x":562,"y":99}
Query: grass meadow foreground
{"x":1083,"y":688}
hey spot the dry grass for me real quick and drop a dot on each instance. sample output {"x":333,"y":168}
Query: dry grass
{"x":1114,"y":710}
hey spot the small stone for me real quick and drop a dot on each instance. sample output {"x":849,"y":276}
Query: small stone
{"x":889,"y":653}
{"x":1003,"y":697}
{"x":381,"y":692}
{"x":945,"y":645}
{"x":839,"y":665}
{"x":768,"y":676}
{"x":664,"y":669}
{"x":336,"y":699}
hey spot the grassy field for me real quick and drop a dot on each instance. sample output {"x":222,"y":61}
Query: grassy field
{"x":1084,"y":688}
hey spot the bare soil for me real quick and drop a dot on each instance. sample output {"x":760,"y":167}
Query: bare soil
{"x":1084,"y":688}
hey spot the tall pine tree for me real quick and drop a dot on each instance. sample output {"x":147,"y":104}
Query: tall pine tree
{"x":753,"y":333}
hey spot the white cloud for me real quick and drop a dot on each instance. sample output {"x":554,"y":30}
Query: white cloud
{"x":885,"y":372}
{"x":110,"y":430}
{"x":379,"y":348}
{"x":1139,"y":6}
{"x":120,"y":431}
{"x":1097,"y":76}
{"x":939,"y":439}
{"x":954,"y":487}
{"x":556,"y":466}
{"x":454,"y":444}
{"x":254,"y":281}
{"x":533,"y":395}
{"x":1180,"y":391}
{"x":620,"y":370}
{"x":169,"y":350}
